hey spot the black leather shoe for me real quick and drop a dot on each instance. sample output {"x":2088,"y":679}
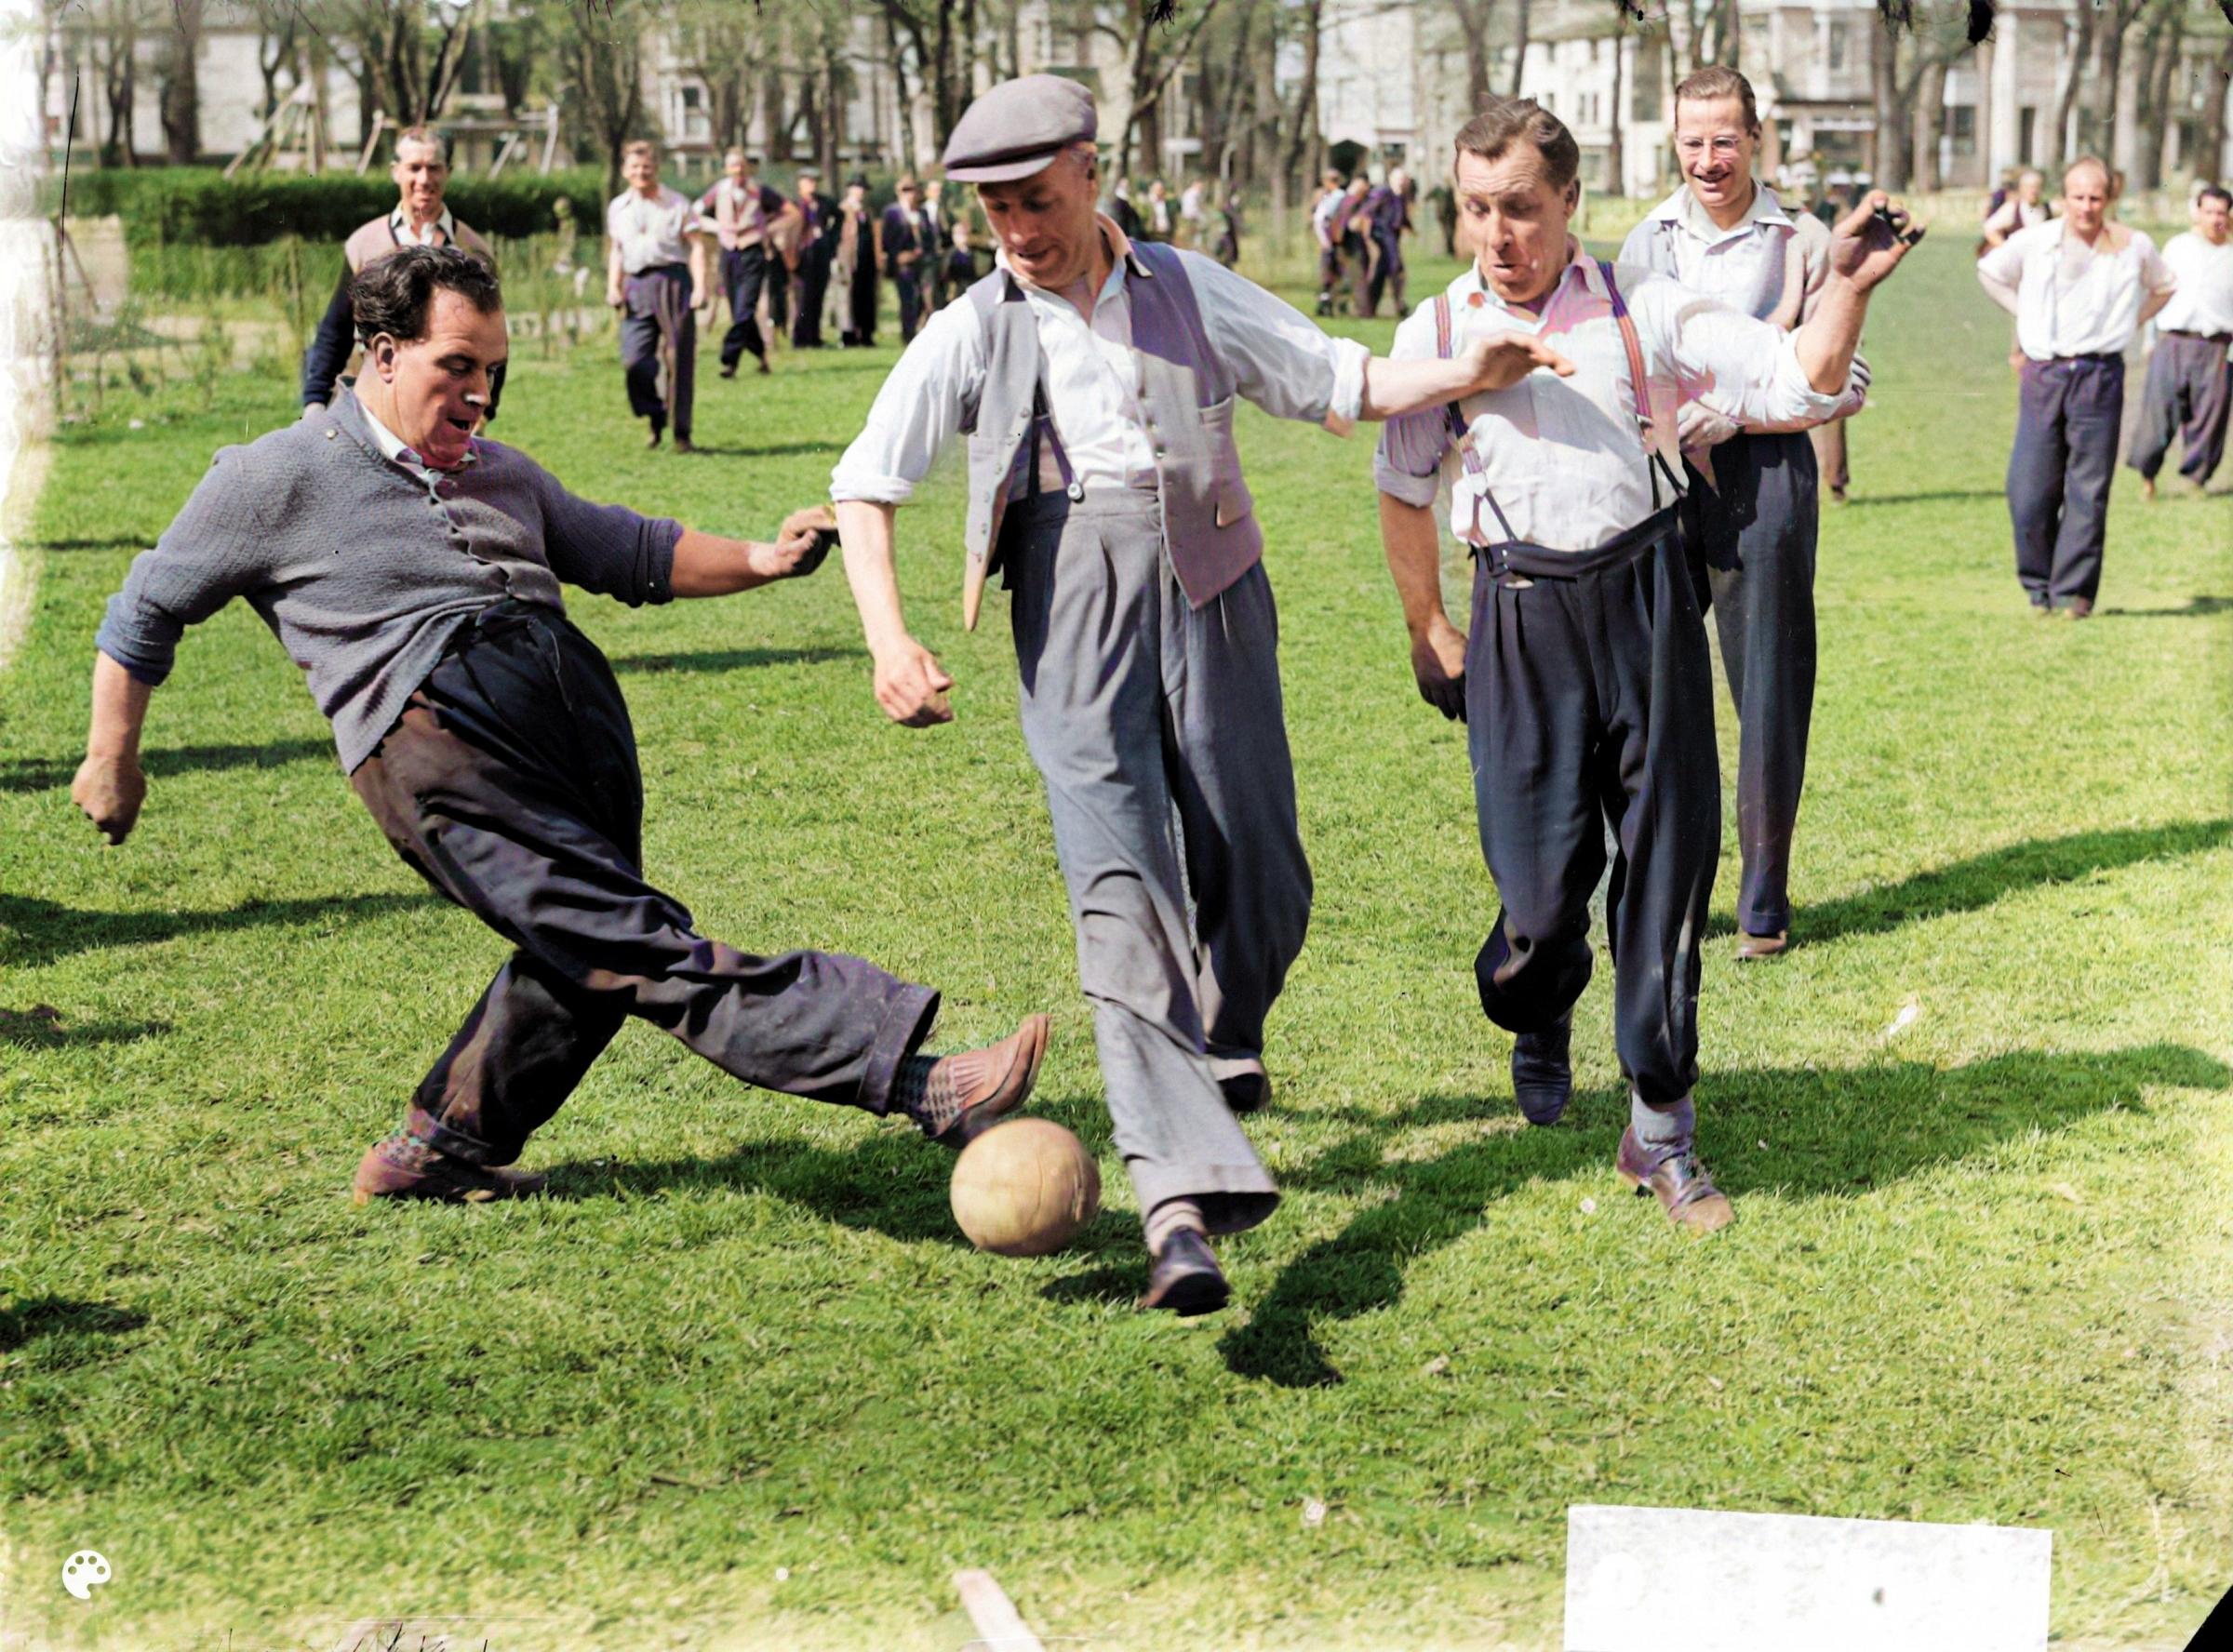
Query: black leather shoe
{"x":1184,"y":1278}
{"x":1542,"y":1072}
{"x":1246,"y":1090}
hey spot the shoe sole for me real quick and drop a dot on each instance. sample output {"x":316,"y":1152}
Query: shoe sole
{"x":1011,"y":1093}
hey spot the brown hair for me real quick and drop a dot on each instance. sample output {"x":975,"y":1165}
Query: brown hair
{"x":640,"y":146}
{"x":1718,"y":80}
{"x":1506,"y":121}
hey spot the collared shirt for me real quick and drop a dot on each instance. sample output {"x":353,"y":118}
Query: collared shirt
{"x":741,"y":212}
{"x":441,"y":232}
{"x":1563,"y":458}
{"x":1768,"y":263}
{"x":1280,"y":361}
{"x":651,"y":233}
{"x":2015,"y":213}
{"x":2204,"y":301}
{"x":2072,"y":300}
{"x":397,"y":452}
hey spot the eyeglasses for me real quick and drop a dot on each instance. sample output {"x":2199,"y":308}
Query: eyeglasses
{"x":1724,"y":147}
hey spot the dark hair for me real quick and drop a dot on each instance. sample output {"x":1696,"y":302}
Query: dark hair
{"x":1718,"y":80}
{"x":391,"y":295}
{"x":2213,"y":192}
{"x":1506,"y":121}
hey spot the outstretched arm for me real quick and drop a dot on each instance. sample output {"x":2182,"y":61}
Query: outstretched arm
{"x":707,"y":564}
{"x":110,"y":787}
{"x":1864,"y":251}
{"x":910,"y":684}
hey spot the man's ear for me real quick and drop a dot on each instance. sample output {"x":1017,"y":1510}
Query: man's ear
{"x":1573,"y":195}
{"x":381,"y":350}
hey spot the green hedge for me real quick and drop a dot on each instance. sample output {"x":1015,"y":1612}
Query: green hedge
{"x":198,"y":207}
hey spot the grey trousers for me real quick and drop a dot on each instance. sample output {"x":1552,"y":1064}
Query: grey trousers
{"x":2189,"y":394}
{"x":1161,"y":736}
{"x":1751,"y":536}
{"x":2069,"y":411}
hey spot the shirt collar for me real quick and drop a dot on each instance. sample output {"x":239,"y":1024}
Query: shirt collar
{"x":1682,"y":208}
{"x":1123,"y":260}
{"x":400,"y":221}
{"x":392,"y":448}
{"x":1470,"y":288}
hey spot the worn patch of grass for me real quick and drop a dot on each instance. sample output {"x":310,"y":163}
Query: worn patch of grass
{"x":1979,"y":1272}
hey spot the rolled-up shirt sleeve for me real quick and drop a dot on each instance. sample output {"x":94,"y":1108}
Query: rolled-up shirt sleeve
{"x":1281,"y":360}
{"x":1748,"y":368}
{"x":1408,"y":464}
{"x":210,"y":555}
{"x":917,"y":411}
{"x":607,"y":549}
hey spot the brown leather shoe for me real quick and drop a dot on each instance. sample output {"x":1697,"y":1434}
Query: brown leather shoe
{"x":2079,"y":608}
{"x":1184,"y":1278}
{"x":1685,"y":1192}
{"x":404,"y":1167}
{"x":682,"y":445}
{"x":1751,"y":948}
{"x":992,"y":1082}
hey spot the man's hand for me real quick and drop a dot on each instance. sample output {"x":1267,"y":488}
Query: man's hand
{"x":1864,"y":249}
{"x":110,"y":791}
{"x":794,"y":544}
{"x":1698,"y":427}
{"x":614,"y":297}
{"x":910,"y":686}
{"x":1501,"y":362}
{"x":1438,"y":663}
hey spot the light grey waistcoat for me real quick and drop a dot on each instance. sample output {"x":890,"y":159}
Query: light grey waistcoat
{"x":1186,"y":393}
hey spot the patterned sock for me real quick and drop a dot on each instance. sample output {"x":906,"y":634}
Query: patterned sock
{"x":1663,"y":1131}
{"x":924,"y":1092}
{"x":1169,"y":1217}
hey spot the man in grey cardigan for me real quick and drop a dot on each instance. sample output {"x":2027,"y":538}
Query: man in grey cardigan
{"x":412,"y":570}
{"x":1097,"y":382}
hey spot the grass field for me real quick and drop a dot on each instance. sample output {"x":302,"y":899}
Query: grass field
{"x":741,"y":1384}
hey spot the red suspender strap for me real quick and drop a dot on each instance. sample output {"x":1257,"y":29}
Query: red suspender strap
{"x":1637,"y":377}
{"x":1445,"y":343}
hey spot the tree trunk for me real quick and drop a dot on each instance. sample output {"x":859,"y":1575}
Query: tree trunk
{"x":179,"y":101}
{"x":2080,"y":42}
{"x":1519,"y":48}
{"x":2114,"y":19}
{"x":1889,"y":167}
{"x":1616,"y":173}
{"x":1928,"y":121}
{"x":1473,"y":32}
{"x":2207,"y":164}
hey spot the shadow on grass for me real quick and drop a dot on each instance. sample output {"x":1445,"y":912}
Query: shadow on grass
{"x":35,"y":932}
{"x":114,"y":542}
{"x":44,"y":1027}
{"x":57,"y":1317}
{"x":2195,"y":604}
{"x":1831,"y":1134}
{"x":1978,"y":882}
{"x":768,"y":450}
{"x":1857,"y":500}
{"x":40,"y":774}
{"x":728,"y":660}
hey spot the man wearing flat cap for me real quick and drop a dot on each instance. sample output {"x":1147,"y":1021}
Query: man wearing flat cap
{"x":1096,"y":380}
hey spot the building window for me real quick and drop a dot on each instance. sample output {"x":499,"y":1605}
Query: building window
{"x":1841,"y":43}
{"x":1962,"y":126}
{"x":2027,"y":120}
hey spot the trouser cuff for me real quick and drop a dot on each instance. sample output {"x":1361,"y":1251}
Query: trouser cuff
{"x":906,"y":1023}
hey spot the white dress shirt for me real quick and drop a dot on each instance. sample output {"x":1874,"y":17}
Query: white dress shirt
{"x":2204,"y":301}
{"x":441,"y":230}
{"x":654,"y":232}
{"x":2072,"y":300}
{"x":1563,"y":458}
{"x":1279,"y":360}
{"x":2014,"y":214}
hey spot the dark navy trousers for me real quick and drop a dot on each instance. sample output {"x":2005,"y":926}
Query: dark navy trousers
{"x":743,"y":274}
{"x":1589,"y":704}
{"x":2067,"y":414}
{"x":509,"y":784}
{"x":1750,"y":536}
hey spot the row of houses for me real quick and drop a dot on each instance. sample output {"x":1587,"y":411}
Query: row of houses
{"x":1392,"y":89}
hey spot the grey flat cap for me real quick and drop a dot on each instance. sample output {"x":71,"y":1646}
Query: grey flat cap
{"x":1018,"y":128}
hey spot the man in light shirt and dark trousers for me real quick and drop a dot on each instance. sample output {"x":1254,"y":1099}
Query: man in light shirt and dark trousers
{"x":2190,"y":372}
{"x":1752,"y":507}
{"x":1583,"y":676}
{"x":655,"y":275}
{"x":2078,"y":287}
{"x":743,"y":214}
{"x":1096,"y":380}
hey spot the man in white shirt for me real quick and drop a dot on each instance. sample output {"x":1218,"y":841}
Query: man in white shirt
{"x":2023,"y":208}
{"x":1752,"y":506}
{"x":1584,"y":682}
{"x":1096,"y":379}
{"x":655,"y":273}
{"x":2078,"y":287}
{"x":2190,"y":373}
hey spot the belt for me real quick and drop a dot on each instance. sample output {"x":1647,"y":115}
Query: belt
{"x":2205,"y":337}
{"x":2091,"y":355}
{"x":1538,"y":562}
{"x":682,"y":270}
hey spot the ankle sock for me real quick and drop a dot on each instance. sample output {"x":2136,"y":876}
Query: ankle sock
{"x":1661,"y":1131}
{"x":924,"y":1091}
{"x":1172,"y":1216}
